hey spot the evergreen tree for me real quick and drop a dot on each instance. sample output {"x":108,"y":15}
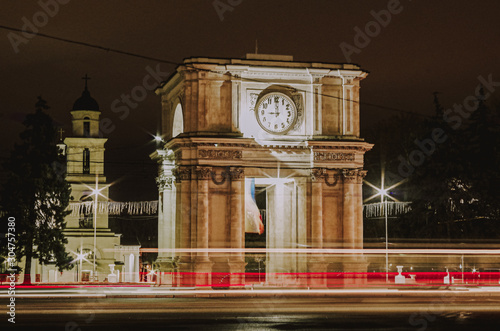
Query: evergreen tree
{"x":37,"y":194}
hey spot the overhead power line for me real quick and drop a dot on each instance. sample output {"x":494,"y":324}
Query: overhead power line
{"x":109,"y":49}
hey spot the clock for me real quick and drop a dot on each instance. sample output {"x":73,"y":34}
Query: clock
{"x":276,"y":113}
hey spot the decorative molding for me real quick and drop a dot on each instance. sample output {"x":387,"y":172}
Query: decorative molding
{"x":361,"y":176}
{"x":164,"y":182}
{"x":334,"y":156}
{"x":237,"y":173}
{"x":227,"y":173}
{"x":353,"y":176}
{"x":253,"y":101}
{"x":321,"y":173}
{"x":220,"y":154}
{"x":297,"y":99}
{"x":203,"y":173}
{"x":305,"y":76}
{"x":355,"y":148}
{"x":178,"y":155}
{"x":224,"y":175}
{"x":317,"y":174}
{"x":221,"y":144}
{"x":182,"y":173}
{"x":350,"y":176}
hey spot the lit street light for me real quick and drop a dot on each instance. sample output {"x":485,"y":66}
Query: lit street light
{"x":96,"y":192}
{"x":384,"y":194}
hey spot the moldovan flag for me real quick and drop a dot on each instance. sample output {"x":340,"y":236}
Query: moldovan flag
{"x":253,"y":220}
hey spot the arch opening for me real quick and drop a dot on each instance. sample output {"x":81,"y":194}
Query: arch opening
{"x":178,"y":122}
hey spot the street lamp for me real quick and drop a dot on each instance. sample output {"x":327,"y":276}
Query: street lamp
{"x":80,"y":257}
{"x":384,"y":194}
{"x":96,"y":192}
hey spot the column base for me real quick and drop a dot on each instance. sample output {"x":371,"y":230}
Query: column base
{"x":355,"y":270}
{"x":202,"y":275}
{"x":317,"y":276}
{"x":166,"y":275}
{"x":237,"y":274}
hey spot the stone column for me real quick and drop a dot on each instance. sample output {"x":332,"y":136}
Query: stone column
{"x":317,"y":265}
{"x":358,"y":207}
{"x":354,"y":265}
{"x":317,"y":208}
{"x":347,"y":105}
{"x":166,"y":217}
{"x":183,"y":176}
{"x":348,"y":217}
{"x":136,"y":267}
{"x":183,"y":183}
{"x":202,"y":266}
{"x":166,"y":214}
{"x":237,"y":198}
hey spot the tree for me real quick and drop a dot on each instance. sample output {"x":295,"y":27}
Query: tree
{"x":453,"y":184}
{"x":454,"y":192}
{"x":37,"y":194}
{"x":481,"y":139}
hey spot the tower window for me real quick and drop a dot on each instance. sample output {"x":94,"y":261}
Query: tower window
{"x":87,"y":217}
{"x":86,"y":161}
{"x":86,"y":127}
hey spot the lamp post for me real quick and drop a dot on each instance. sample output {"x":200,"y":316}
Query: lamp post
{"x":384,"y":202}
{"x":96,"y":195}
{"x":383,"y":192}
{"x":96,"y":191}
{"x":386,"y":245}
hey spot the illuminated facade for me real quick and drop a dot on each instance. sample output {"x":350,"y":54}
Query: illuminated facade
{"x":84,"y":150}
{"x":284,"y":132}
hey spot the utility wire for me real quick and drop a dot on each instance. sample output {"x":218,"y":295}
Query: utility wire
{"x":81,"y":43}
{"x":112,"y":50}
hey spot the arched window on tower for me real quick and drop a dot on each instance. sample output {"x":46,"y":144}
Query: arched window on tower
{"x":86,"y":161}
{"x":87,"y":216}
{"x":86,"y":127}
{"x":178,"y":122}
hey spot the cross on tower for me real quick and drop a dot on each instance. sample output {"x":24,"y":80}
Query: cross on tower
{"x":61,"y":131}
{"x":86,"y":78}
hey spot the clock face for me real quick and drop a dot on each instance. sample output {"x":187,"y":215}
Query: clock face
{"x":276,"y":113}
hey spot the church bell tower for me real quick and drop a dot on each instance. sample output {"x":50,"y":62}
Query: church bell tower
{"x":85,"y":173}
{"x":85,"y":150}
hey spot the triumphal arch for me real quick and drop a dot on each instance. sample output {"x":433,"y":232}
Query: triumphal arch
{"x":260,"y":155}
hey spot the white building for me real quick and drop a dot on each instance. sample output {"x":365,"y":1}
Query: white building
{"x":288,"y":129}
{"x":85,"y":172}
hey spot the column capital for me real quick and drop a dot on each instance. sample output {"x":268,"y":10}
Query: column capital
{"x":353,"y":176}
{"x":361,"y":176}
{"x":237,"y":173}
{"x":182,"y":173}
{"x":164,"y":182}
{"x":203,"y":172}
{"x":317,"y":174}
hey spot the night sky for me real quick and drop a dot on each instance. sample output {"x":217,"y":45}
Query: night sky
{"x":426,"y":46}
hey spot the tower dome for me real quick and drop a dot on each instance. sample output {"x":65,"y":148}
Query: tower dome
{"x":86,"y":102}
